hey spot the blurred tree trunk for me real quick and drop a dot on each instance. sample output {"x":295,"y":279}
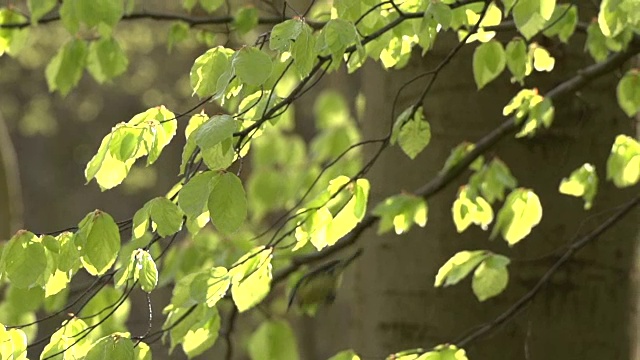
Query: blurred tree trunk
{"x":587,"y":309}
{"x":10,"y":192}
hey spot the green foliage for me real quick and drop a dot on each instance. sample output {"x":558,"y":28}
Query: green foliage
{"x":623,"y":165}
{"x":401,"y":212}
{"x":489,"y":60}
{"x":411,"y":131}
{"x":519,"y":214}
{"x":304,"y":192}
{"x":628,"y":92}
{"x":273,"y":340}
{"x":583,"y":182}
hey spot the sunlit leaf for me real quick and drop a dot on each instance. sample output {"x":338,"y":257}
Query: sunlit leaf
{"x":251,"y":278}
{"x":583,"y":182}
{"x":145,"y":271}
{"x":623,"y":165}
{"x":400,"y":212}
{"x":519,"y":214}
{"x":458,"y":267}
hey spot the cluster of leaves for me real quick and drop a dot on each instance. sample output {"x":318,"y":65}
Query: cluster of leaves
{"x":326,"y":194}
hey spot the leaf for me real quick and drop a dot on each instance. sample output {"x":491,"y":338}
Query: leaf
{"x":517,"y":59}
{"x":628,"y":92}
{"x":207,"y":286}
{"x":67,"y":339}
{"x":273,"y":340}
{"x":583,"y":182}
{"x":401,"y":212}
{"x":303,"y":51}
{"x":194,"y":195}
{"x":106,"y":59}
{"x":197,"y":332}
{"x":284,"y":33}
{"x":441,"y":352}
{"x":596,"y":43}
{"x":211,"y":5}
{"x":13,"y":344}
{"x":338,"y":34}
{"x":12,"y":40}
{"x":24,"y":260}
{"x":251,"y":278}
{"x":519,"y":214}
{"x":211,"y":72}
{"x":531,"y":16}
{"x":178,"y":32}
{"x":103,"y":14}
{"x":491,"y":277}
{"x":252,"y":66}
{"x":142,"y":351}
{"x":542,"y":60}
{"x":492,"y":181}
{"x":227,"y":203}
{"x":471,"y":209}
{"x":623,"y":164}
{"x":98,"y":240}
{"x":166,"y":215}
{"x":563,"y":22}
{"x":39,"y":8}
{"x":611,"y":19}
{"x":414,"y":135}
{"x":458,"y":267}
{"x":246,"y":19}
{"x":145,"y":271}
{"x":114,"y":346}
{"x":214,"y":131}
{"x":489,"y":60}
{"x":351,"y":214}
{"x":345,"y":355}
{"x":64,"y":71}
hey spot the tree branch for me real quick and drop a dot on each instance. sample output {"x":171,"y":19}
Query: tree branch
{"x":510,"y":313}
{"x":438,"y":183}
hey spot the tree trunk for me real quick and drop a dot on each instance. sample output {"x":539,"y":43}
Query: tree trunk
{"x":10,"y":192}
{"x":585,"y":311}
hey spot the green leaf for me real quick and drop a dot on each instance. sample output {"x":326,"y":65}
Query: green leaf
{"x":178,"y":32}
{"x":492,"y":181}
{"x":68,"y":339}
{"x":563,"y":22}
{"x":104,"y":14}
{"x":542,"y":60}
{"x":401,"y":212}
{"x":64,"y":71}
{"x":39,"y":8}
{"x":252,"y":66}
{"x":623,"y":164}
{"x":98,"y":240}
{"x":211,"y":5}
{"x":24,"y":260}
{"x":114,"y":346}
{"x":412,"y":134}
{"x":284,"y":33}
{"x":203,"y":287}
{"x":345,"y":355}
{"x":517,"y":59}
{"x":125,"y":142}
{"x":246,"y":19}
{"x":194,"y":123}
{"x":457,"y":154}
{"x":471,"y":209}
{"x":491,"y":277}
{"x":628,"y":92}
{"x":351,"y":214}
{"x":611,"y":19}
{"x":596,"y":43}
{"x":273,"y":340}
{"x":489,"y":60}
{"x":166,"y":215}
{"x":227,"y":203}
{"x":12,"y":40}
{"x":459,"y":266}
{"x":145,"y":271}
{"x":531,"y":16}
{"x":442,"y":352}
{"x":194,"y":195}
{"x":212,"y":72}
{"x":142,"y":351}
{"x":338,"y":34}
{"x":106,"y":59}
{"x":519,"y":214}
{"x":583,"y":182}
{"x":303,"y":51}
{"x":214,"y":131}
{"x":197,"y":332}
{"x":13,"y":344}
{"x":251,"y":278}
